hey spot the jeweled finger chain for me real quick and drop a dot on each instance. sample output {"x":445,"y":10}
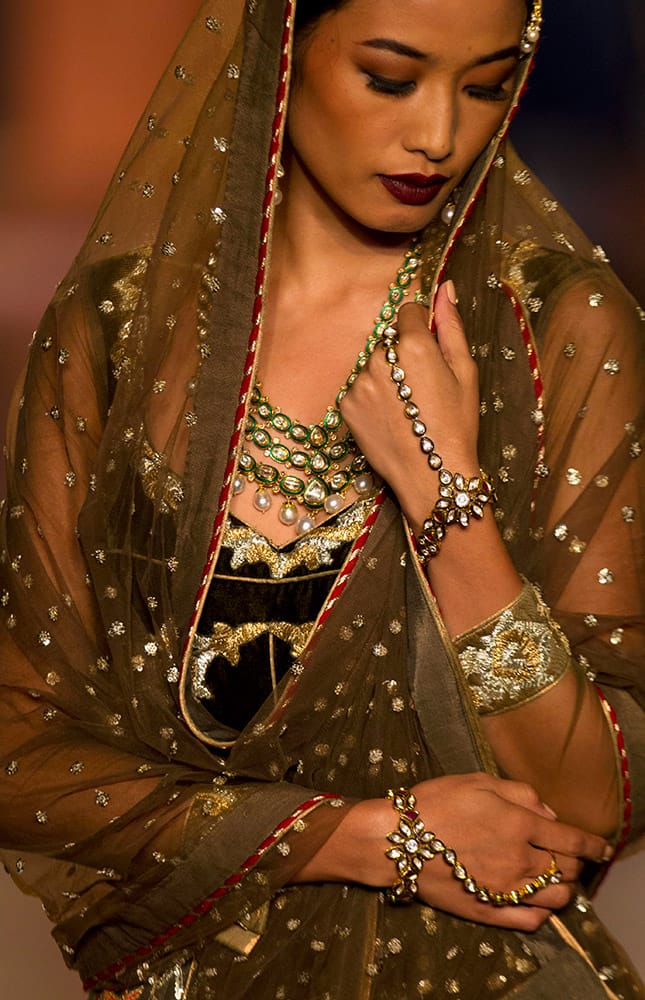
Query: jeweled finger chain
{"x":460,"y":497}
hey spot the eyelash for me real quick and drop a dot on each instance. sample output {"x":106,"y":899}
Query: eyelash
{"x":401,"y":88}
{"x":395,"y":88}
{"x":489,"y":93}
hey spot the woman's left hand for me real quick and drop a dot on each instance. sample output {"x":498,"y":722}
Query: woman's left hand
{"x":444,"y":381}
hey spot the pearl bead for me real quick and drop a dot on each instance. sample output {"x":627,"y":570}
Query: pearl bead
{"x":238,"y":485}
{"x":333,"y":503}
{"x":305,"y":524}
{"x":288,"y":513}
{"x":448,"y":213}
{"x":364,"y":484}
{"x":532,"y":34}
{"x":262,"y":501}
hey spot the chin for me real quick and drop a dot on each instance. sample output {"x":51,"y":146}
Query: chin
{"x":399,"y":227}
{"x":399,"y":220}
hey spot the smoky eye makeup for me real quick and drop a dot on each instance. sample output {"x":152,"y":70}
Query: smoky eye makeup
{"x":499,"y":89}
{"x":499,"y":93}
{"x":388,"y":85}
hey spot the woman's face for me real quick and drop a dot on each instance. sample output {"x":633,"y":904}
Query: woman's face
{"x":394,"y":100}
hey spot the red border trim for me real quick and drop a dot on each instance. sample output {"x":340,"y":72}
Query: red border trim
{"x":240,"y":415}
{"x":350,"y":565}
{"x":209,"y":902}
{"x":624,"y":770}
{"x":474,"y":198}
{"x":337,"y":590}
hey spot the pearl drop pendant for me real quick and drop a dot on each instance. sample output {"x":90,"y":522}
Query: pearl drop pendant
{"x":448,"y":212}
{"x":262,"y":501}
{"x":238,"y":485}
{"x":305,"y":524}
{"x":333,"y":503}
{"x":364,"y":484}
{"x":288,"y":513}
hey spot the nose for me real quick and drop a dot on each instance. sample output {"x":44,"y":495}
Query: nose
{"x":433,"y":126}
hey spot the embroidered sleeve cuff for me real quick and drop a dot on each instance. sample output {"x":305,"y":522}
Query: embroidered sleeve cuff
{"x":513,"y":656}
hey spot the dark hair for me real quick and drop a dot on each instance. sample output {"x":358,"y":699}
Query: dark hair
{"x":310,"y":11}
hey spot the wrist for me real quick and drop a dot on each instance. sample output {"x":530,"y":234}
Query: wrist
{"x":417,"y":497}
{"x":367,"y":826}
{"x":355,"y":852}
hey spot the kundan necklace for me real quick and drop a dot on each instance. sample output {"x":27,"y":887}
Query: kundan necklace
{"x":312,"y":466}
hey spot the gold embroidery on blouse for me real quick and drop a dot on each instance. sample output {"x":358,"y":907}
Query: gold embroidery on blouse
{"x":227,"y":641}
{"x":514,"y":656}
{"x":247,"y":545}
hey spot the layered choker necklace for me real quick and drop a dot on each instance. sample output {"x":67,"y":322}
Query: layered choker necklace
{"x":309,"y":468}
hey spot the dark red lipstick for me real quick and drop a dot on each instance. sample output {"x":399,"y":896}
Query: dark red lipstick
{"x":413,"y":189}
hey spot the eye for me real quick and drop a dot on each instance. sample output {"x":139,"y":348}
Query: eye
{"x":489,"y":93}
{"x":384,"y":85}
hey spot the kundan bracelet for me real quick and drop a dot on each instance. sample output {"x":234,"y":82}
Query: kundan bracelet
{"x":410,"y":848}
{"x":460,"y":497}
{"x":413,"y":845}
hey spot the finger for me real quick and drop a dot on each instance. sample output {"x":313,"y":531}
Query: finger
{"x":413,"y":318}
{"x":520,"y":793}
{"x":450,"y":329}
{"x":570,"y":868}
{"x":542,"y":861}
{"x":570,"y":840}
{"x":518,"y":918}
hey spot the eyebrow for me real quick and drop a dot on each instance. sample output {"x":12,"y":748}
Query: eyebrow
{"x":401,"y":49}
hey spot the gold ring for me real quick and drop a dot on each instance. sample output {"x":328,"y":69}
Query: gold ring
{"x":552,"y":876}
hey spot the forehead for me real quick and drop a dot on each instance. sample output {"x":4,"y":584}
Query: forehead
{"x":468,"y":27}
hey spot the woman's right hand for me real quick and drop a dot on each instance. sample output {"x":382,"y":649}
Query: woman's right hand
{"x":501,"y":831}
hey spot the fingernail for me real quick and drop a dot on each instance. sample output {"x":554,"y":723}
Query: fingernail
{"x":451,"y":292}
{"x":608,"y":853}
{"x":550,"y":811}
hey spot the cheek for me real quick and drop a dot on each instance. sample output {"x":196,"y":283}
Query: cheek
{"x":329,"y":121}
{"x":479,"y":129}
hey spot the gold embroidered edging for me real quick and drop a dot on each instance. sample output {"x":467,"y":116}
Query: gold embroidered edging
{"x":514,"y":656}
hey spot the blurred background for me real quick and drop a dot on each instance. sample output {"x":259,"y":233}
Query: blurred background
{"x":74,"y":77}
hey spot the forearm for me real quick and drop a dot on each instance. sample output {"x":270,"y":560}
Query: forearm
{"x":561,"y":743}
{"x":355,"y":851}
{"x":558,"y":741}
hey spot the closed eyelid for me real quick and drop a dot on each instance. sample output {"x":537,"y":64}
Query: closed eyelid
{"x":408,"y":51}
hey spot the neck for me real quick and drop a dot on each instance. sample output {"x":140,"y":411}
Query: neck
{"x":314,"y":239}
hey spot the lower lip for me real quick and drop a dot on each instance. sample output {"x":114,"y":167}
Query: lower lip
{"x":410,"y":194}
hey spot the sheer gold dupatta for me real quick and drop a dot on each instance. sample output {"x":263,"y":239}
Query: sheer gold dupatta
{"x":99,"y":773}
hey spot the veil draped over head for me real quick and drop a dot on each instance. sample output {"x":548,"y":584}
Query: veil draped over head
{"x":153,"y":849}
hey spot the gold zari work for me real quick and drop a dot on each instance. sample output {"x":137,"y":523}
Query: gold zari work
{"x":313,"y":551}
{"x":514,"y":656}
